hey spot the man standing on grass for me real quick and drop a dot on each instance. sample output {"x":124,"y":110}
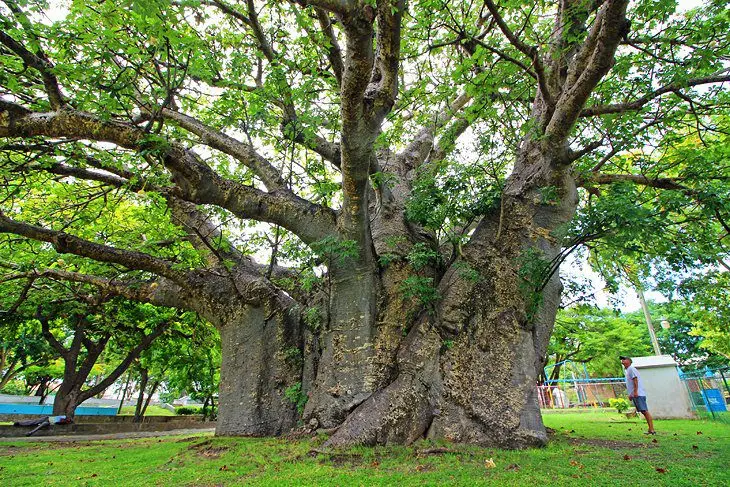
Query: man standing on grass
{"x":637,"y":395}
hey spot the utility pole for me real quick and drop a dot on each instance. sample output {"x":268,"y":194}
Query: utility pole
{"x":647,"y":317}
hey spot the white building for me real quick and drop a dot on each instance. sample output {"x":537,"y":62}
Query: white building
{"x":666,"y":395}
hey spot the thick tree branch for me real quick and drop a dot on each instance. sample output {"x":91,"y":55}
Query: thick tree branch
{"x":334,"y":52}
{"x":340,"y":7}
{"x":640,"y":102}
{"x":243,"y":153}
{"x":196,"y":181}
{"x":591,"y":63}
{"x":419,"y":149}
{"x":383,"y":88}
{"x":65,"y":243}
{"x":38,"y":62}
{"x":530,"y":51}
{"x":124,"y":364}
{"x":160,"y":293}
{"x":659,"y":183}
{"x":46,"y":331}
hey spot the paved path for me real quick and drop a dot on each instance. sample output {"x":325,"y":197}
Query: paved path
{"x":110,"y":436}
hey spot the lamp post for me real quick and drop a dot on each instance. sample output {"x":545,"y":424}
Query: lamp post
{"x":647,"y":317}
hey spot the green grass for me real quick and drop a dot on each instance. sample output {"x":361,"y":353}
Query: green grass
{"x":151,"y":411}
{"x":587,"y":449}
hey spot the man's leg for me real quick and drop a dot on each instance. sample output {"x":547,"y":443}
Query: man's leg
{"x":649,"y":420}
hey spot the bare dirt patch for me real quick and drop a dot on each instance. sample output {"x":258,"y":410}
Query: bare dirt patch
{"x":610,"y":444}
{"x":207,"y":449}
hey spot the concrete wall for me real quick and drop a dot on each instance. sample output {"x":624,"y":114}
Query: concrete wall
{"x":666,"y":395}
{"x":102,"y":428}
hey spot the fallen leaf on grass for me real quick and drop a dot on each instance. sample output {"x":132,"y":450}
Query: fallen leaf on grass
{"x":489,"y":463}
{"x":626,"y":457}
{"x":224,"y":468}
{"x":661,"y":470}
{"x":699,"y":432}
{"x":654,"y":441}
{"x":695,"y":447}
{"x":512,"y":466}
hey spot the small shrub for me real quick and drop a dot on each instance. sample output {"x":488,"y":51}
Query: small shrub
{"x":188,"y":410}
{"x":295,"y":395}
{"x":622,"y":405}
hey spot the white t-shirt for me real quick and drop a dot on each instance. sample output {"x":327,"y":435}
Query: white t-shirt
{"x":630,"y":372}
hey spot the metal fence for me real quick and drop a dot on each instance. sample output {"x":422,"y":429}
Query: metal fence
{"x":562,"y":394}
{"x":709,"y":393}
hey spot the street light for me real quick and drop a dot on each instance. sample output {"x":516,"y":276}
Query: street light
{"x":647,"y":317}
{"x":665,"y":323}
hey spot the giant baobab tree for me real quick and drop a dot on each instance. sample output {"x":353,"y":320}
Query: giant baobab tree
{"x":413,"y":168}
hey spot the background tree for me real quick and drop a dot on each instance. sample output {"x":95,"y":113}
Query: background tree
{"x":708,"y":308}
{"x":89,"y":334}
{"x":424,"y":162}
{"x":596,"y":337}
{"x":193,"y":369}
{"x":22,"y":347}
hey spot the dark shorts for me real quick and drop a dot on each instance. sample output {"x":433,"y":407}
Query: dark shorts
{"x":640,"y":403}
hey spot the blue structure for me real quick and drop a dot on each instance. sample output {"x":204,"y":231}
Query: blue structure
{"x":47,"y":410}
{"x":713,"y":400}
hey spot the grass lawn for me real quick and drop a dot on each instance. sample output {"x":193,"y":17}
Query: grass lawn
{"x":151,"y":411}
{"x":587,"y":449}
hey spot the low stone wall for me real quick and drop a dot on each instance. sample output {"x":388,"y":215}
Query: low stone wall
{"x":106,"y":428}
{"x":81,"y":418}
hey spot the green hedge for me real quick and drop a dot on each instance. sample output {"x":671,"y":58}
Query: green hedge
{"x":188,"y":410}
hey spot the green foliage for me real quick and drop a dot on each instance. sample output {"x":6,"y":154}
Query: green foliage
{"x":313,"y":318}
{"x":533,"y":271}
{"x":188,"y":410}
{"x":193,"y":365}
{"x":421,"y":256}
{"x":707,"y":308}
{"x":335,"y":250}
{"x":466,"y":271}
{"x":620,"y":404}
{"x":444,"y":197}
{"x":549,"y":195}
{"x":296,"y":396}
{"x":420,"y":288}
{"x":14,"y":387}
{"x":596,"y":337}
{"x":383,"y":180}
{"x":293,"y":357}
{"x":386,"y":259}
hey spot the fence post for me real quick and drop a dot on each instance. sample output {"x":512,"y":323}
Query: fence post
{"x":705,"y":399}
{"x":724,"y":380}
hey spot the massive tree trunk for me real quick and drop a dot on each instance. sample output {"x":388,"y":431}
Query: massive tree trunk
{"x":467,"y":370}
{"x":262,"y":358}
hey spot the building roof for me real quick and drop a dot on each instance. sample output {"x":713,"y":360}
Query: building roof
{"x":654,"y":361}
